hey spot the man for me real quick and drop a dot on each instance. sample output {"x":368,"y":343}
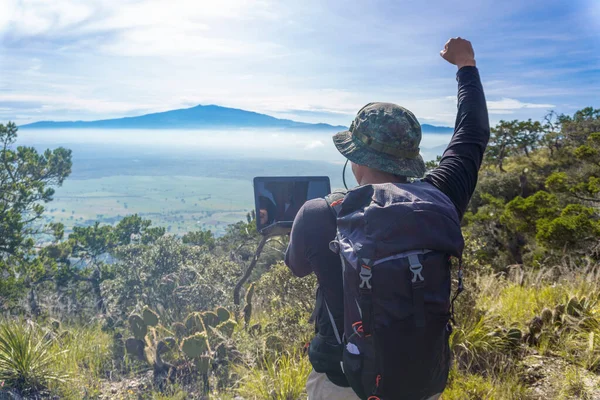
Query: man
{"x":391,"y":128}
{"x":266,"y":211}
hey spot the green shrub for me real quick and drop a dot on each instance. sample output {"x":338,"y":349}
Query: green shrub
{"x":27,"y":358}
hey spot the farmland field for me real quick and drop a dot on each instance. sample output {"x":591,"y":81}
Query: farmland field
{"x":179,"y":203}
{"x":181,"y":180}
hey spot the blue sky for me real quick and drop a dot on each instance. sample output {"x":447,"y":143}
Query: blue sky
{"x":309,"y":60}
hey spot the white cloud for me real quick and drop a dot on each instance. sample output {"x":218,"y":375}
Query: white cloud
{"x":513,"y":104}
{"x":108,"y":58}
{"x":143,"y":28}
{"x":48,"y":103}
{"x":35,"y":17}
{"x":314,"y":144}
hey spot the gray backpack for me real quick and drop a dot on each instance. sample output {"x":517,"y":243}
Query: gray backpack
{"x":396,"y":242}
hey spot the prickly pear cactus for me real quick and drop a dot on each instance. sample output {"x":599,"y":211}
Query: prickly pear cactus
{"x":171,"y":342}
{"x":203,"y":364}
{"x":196,"y":345}
{"x":255,"y":329}
{"x":227,"y":328}
{"x":149,"y":317}
{"x":559,"y":311}
{"x":138,"y":326}
{"x":210,"y":319}
{"x":135,"y":347}
{"x":248,"y":306}
{"x":249,"y":294}
{"x":165,"y":345}
{"x":223,"y":314}
{"x":573,"y":307}
{"x":194,"y":323}
{"x":536,"y":325}
{"x":118,"y":346}
{"x":179,"y":330}
{"x":547,"y":316}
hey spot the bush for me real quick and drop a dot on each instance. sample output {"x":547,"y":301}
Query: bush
{"x":27,"y":358}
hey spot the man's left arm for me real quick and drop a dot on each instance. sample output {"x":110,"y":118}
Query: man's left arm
{"x":295,"y":256}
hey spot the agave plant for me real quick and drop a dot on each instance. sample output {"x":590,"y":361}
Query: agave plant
{"x":26,"y":357}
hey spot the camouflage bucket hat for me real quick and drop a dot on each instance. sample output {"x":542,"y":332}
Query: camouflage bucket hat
{"x":386,"y":137}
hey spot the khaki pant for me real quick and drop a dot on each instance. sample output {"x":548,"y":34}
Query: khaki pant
{"x":319,"y":387}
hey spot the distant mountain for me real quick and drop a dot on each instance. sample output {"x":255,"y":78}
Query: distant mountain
{"x":200,"y":116}
{"x":195,"y":117}
{"x":426,"y":128}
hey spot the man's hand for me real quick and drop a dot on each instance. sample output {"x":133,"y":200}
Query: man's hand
{"x":459,"y":52}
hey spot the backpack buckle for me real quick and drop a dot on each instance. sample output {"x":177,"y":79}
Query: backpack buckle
{"x":416,"y":268}
{"x":365,"y":277}
{"x":416,"y":271}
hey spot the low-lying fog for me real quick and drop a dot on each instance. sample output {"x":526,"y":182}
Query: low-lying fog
{"x":255,"y":143}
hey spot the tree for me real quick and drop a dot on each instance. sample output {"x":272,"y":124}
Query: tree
{"x":27,"y":181}
{"x":511,"y":138}
{"x":582,"y":181}
{"x":93,"y":244}
{"x":200,"y":238}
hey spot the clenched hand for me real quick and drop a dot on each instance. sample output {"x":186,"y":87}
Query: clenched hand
{"x":459,"y":52}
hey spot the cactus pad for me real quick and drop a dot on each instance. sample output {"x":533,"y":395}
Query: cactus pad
{"x":171,"y":342}
{"x":194,"y":323}
{"x":150,"y":317}
{"x":547,"y":316}
{"x":203,"y":364}
{"x":210,"y":318}
{"x":256,"y":329}
{"x":536,"y":325}
{"x":573,"y":307}
{"x":135,"y":347}
{"x":247,"y":313}
{"x":559,"y":311}
{"x":179,"y":329}
{"x":223,"y":314}
{"x":249,"y":294}
{"x":163,"y":346}
{"x":138,"y":326}
{"x":227,"y":327}
{"x":194,"y":346}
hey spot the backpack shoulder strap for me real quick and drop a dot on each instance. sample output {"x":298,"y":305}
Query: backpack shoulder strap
{"x":334,"y":201}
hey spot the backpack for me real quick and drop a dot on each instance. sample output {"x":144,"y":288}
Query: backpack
{"x":396,"y":243}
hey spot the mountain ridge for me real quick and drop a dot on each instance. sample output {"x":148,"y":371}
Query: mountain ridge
{"x":200,"y":116}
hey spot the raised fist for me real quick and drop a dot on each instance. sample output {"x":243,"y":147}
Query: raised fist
{"x":459,"y":52}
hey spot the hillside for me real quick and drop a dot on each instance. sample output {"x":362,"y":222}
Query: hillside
{"x":210,"y":116}
{"x":199,"y":317}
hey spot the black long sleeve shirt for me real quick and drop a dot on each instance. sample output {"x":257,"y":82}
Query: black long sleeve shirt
{"x":456,"y":176}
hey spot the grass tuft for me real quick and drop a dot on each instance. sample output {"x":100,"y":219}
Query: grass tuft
{"x":282,"y":379}
{"x":27,"y":358}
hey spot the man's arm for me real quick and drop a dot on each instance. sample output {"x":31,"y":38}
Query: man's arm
{"x":456,"y":175}
{"x":296,"y":255}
